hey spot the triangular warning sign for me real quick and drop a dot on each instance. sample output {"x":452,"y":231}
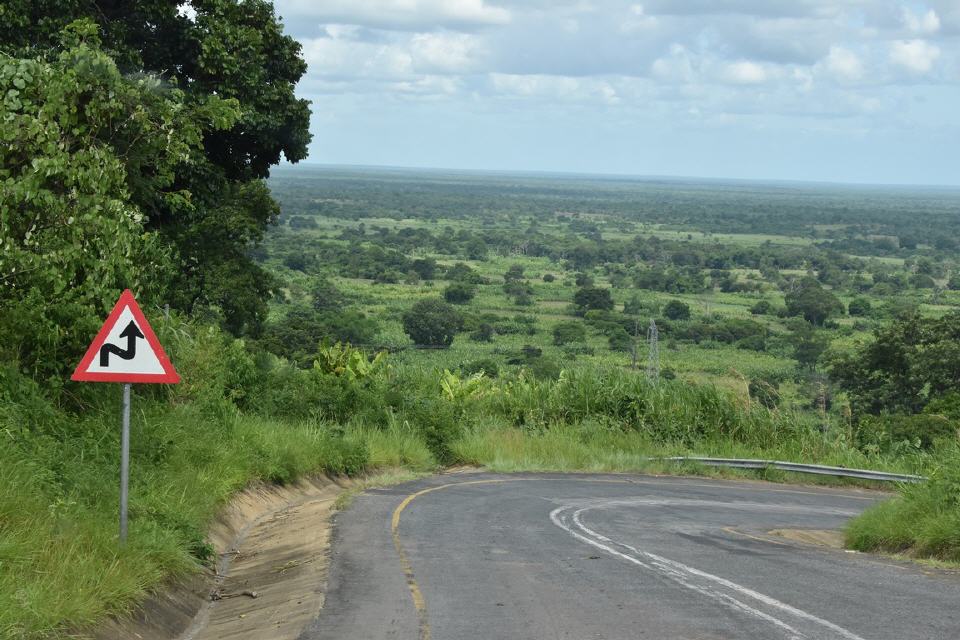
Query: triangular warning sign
{"x":126,"y":350}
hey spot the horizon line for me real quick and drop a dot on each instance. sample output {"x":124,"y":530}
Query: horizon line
{"x":284,"y":165}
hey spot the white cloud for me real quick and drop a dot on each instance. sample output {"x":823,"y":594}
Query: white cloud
{"x":916,"y":56}
{"x":843,"y":64}
{"x":925,"y":23}
{"x":445,"y":52}
{"x":342,"y":57}
{"x":675,"y":67}
{"x":744,"y":72}
{"x":534,"y":85}
{"x":398,"y":14}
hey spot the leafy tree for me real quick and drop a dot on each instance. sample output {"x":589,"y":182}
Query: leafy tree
{"x":297,"y":335}
{"x":859,"y":307}
{"x":78,"y":140}
{"x":677,"y":310}
{"x":808,"y":344}
{"x":583,"y":280}
{"x":212,"y":205}
{"x":593,"y":298}
{"x":515,"y":272}
{"x":909,"y":363}
{"x":922,"y":281}
{"x":426,"y":268}
{"x":761,"y":308}
{"x":326,"y":296}
{"x":459,"y":293}
{"x":810,"y":300}
{"x":462,"y":272}
{"x":432,"y":322}
{"x":567,"y":332}
{"x":476,"y":249}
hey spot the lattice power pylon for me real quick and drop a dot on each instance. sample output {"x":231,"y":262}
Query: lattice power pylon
{"x":653,"y":353}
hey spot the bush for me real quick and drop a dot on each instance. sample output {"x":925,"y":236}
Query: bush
{"x":432,"y":322}
{"x":485,"y":366}
{"x":459,"y":293}
{"x":676,"y":310}
{"x":766,"y":392}
{"x":593,"y":298}
{"x":437,"y":423}
{"x":568,"y":332}
{"x":752,"y":343}
{"x":762,"y":308}
{"x":890,"y":432}
{"x":483,"y":333}
{"x":549,"y":277}
{"x":859,"y":307}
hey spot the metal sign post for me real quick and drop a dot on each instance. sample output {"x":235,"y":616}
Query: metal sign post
{"x":125,"y":463}
{"x":126,"y":350}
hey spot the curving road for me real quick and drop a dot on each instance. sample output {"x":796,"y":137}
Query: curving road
{"x":536,"y":557}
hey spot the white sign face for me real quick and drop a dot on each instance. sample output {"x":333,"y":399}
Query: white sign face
{"x":126,"y":350}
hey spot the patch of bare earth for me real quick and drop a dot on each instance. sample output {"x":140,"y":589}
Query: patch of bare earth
{"x":272,"y":546}
{"x":822,"y":538}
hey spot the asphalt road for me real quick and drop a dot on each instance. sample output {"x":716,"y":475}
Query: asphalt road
{"x":524,"y":557}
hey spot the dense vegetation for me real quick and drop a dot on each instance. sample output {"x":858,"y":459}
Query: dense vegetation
{"x":409,"y":319}
{"x":834,"y":308}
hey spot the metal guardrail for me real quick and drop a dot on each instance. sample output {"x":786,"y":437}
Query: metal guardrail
{"x":796,"y":467}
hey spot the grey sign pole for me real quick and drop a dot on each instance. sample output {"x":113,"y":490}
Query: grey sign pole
{"x":124,"y":463}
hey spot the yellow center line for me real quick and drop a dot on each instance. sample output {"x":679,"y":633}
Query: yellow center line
{"x":419,"y":602}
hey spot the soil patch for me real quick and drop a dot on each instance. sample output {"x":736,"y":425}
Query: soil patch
{"x":272,"y":546}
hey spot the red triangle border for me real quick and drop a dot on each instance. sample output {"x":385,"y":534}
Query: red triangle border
{"x":169,"y":376}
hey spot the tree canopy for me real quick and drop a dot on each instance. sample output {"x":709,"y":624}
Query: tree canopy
{"x":910,"y":363}
{"x":209,"y":203}
{"x":78,"y":139}
{"x":432,"y":323}
{"x":810,"y":300}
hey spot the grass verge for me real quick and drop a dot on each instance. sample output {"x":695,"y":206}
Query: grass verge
{"x":922,"y":522}
{"x":61,"y":567}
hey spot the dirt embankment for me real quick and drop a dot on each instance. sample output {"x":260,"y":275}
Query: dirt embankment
{"x":272,"y":547}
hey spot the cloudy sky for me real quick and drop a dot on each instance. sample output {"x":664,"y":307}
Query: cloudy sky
{"x":834,"y":90}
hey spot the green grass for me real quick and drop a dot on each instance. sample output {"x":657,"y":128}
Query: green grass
{"x":595,"y":448}
{"x":922,"y":522}
{"x":60,"y":564}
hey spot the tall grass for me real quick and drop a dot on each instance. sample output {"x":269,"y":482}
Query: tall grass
{"x":60,"y":564}
{"x":923,"y":521}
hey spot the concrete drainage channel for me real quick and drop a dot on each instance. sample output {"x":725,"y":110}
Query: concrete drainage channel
{"x":272,"y":547}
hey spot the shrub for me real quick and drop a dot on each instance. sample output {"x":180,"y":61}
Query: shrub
{"x":593,"y":298}
{"x":485,"y":366}
{"x":677,"y":310}
{"x":859,"y":307}
{"x":568,"y":332}
{"x":483,"y":333}
{"x":888,"y":432}
{"x":761,"y":308}
{"x":432,"y":322}
{"x":766,"y":392}
{"x":459,"y":292}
